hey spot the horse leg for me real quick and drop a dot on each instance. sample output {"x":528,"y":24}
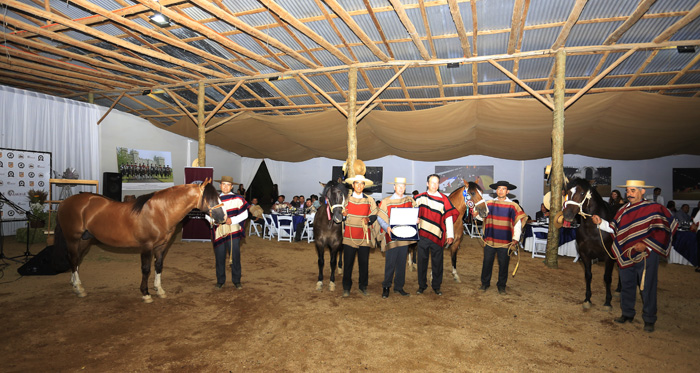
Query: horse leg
{"x":619,"y":285}
{"x":319,"y":252}
{"x":160,"y":256}
{"x":412,"y":257}
{"x":146,"y":256}
{"x":339,"y":254}
{"x":608,"y":280}
{"x":334,"y":260}
{"x":76,"y":252}
{"x":587,"y":270}
{"x":453,"y":250}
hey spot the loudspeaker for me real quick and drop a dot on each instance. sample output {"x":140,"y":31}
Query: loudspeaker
{"x":112,"y":185}
{"x":50,"y":261}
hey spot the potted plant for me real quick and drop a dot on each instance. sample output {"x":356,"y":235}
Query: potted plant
{"x":37,"y":212}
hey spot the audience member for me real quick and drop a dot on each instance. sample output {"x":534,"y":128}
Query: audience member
{"x":683,"y":215}
{"x":241,"y":190}
{"x":256,"y":212}
{"x":671,"y":206}
{"x":315,"y":202}
{"x":295,"y":202}
{"x":309,"y":209}
{"x":543,"y":214}
{"x":615,"y":198}
{"x":658,"y":198}
{"x":695,"y":210}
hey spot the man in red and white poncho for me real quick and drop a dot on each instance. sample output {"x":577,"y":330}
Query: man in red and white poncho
{"x":643,"y":231}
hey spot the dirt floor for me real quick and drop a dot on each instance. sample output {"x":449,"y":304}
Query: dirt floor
{"x":278,"y":322}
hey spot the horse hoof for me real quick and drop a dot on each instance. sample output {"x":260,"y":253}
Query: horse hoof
{"x":607,"y":308}
{"x":616,"y":294}
{"x":331,"y":286}
{"x":457,"y":279}
{"x":340,"y":271}
{"x":162,"y":295}
{"x":80,"y":292}
{"x":147,"y":299}
{"x":319,"y":285}
{"x":586,"y":305}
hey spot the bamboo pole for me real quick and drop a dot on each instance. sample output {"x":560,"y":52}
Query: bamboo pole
{"x":201,"y":129}
{"x":352,"y":122}
{"x":557,"y":157}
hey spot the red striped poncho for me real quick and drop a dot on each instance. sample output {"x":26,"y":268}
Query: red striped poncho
{"x":499,"y":224}
{"x":432,"y":213}
{"x":644,"y":221}
{"x":358,"y":209}
{"x":234,"y":205}
{"x":385,"y":213}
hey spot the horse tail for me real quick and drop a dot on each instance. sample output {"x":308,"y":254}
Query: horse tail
{"x":61,"y":259}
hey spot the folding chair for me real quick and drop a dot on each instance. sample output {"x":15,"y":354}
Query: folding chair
{"x":254,"y":229}
{"x":308,"y":231}
{"x":539,"y":243}
{"x":285,"y":228}
{"x":269,"y":230}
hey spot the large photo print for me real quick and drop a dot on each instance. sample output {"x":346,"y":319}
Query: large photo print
{"x":454,"y":177}
{"x":599,"y":177}
{"x":145,"y":169}
{"x":686,"y":183}
{"x":373,"y":173}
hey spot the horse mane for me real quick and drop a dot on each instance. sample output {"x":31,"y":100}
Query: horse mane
{"x":140,"y":202}
{"x":210,"y":194}
{"x":467,"y":185}
{"x":329,"y":186}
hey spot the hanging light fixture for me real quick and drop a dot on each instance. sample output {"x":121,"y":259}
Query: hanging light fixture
{"x":159,"y":18}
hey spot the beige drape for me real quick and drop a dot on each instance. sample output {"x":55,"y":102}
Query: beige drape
{"x":625,"y":126}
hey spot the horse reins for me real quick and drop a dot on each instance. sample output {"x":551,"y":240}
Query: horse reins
{"x":330,"y":207}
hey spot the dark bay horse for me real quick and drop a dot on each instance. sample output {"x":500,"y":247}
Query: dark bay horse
{"x":147,"y":223}
{"x":584,"y":200}
{"x":328,"y":229}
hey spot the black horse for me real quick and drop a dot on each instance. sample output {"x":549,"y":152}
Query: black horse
{"x":328,"y":229}
{"x":584,"y":200}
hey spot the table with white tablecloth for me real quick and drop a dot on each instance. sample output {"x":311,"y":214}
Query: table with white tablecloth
{"x":567,"y":239}
{"x":297,"y":219}
{"x":685,"y":248}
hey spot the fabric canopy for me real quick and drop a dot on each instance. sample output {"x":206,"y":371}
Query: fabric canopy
{"x":624,"y":126}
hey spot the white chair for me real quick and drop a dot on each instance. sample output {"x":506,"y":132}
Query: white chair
{"x":308,"y":231}
{"x":270,"y":229}
{"x":285,"y":228}
{"x":254,"y":229}
{"x":539,"y":241}
{"x":474,"y":228}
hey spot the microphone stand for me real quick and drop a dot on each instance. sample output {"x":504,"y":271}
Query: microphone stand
{"x":27,"y":253}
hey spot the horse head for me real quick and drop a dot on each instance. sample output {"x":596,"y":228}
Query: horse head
{"x":474,"y":198}
{"x":210,"y":203}
{"x":334,"y":194}
{"x":577,"y":199}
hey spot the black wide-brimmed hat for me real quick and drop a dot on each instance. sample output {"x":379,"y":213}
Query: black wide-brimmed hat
{"x":503,"y":183}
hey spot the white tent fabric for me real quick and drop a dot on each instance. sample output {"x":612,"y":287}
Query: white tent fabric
{"x":249,"y":167}
{"x":66,"y":128}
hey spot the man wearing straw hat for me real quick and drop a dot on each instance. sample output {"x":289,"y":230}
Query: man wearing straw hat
{"x":396,"y":251}
{"x":643,"y":231}
{"x":360,"y":213}
{"x":436,"y":215}
{"x":227,"y":236}
{"x":502,"y":229}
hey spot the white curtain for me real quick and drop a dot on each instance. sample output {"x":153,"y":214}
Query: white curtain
{"x":275,"y":170}
{"x":249,"y":167}
{"x":66,"y":128}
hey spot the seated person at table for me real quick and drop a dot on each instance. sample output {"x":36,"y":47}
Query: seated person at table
{"x":695,"y":210}
{"x":683,"y":215}
{"x":308,"y":210}
{"x":671,"y":206}
{"x":315,"y":202}
{"x":256,"y":212}
{"x":280,"y":204}
{"x":543,"y":214}
{"x":295,"y":202}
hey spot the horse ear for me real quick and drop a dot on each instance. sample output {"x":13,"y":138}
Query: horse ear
{"x":206,"y":181}
{"x":322,"y":184}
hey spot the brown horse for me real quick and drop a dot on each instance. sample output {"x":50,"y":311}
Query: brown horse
{"x":328,"y":229}
{"x":148,"y":222}
{"x":464,"y":199}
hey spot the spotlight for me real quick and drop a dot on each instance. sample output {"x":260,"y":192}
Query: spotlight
{"x":273,"y":78}
{"x":160,"y":20}
{"x":146,"y":92}
{"x":453,"y":65}
{"x":686,"y":49}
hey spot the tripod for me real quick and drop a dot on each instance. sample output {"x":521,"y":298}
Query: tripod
{"x":27,"y":253}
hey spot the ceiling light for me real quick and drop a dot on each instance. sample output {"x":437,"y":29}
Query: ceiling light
{"x":453,"y":65}
{"x":160,"y":20}
{"x":686,"y":49}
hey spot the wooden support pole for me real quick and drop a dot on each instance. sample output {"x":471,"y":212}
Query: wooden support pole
{"x":201,"y":129}
{"x":91,"y":98}
{"x":352,"y":122}
{"x":111,"y":107}
{"x":557,"y":175}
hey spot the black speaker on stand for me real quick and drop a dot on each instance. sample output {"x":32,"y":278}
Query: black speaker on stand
{"x":112,"y":185}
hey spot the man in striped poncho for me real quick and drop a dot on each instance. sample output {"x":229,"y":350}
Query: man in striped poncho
{"x":643,"y":231}
{"x":502,"y":229}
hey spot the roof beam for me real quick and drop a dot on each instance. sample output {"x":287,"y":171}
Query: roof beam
{"x":51,"y":75}
{"x":222,"y":103}
{"x":642,"y":8}
{"x":182,"y":107}
{"x":109,"y":38}
{"x":600,"y":76}
{"x":516,"y":22}
{"x":227,"y":17}
{"x":356,"y":29}
{"x":459,"y":24}
{"x":685,"y":69}
{"x":283,"y":14}
{"x":373,"y":16}
{"x":526,"y":87}
{"x":570,"y":22}
{"x":380,"y":90}
{"x":324,"y":94}
{"x":401,"y":13}
{"x":692,"y":14}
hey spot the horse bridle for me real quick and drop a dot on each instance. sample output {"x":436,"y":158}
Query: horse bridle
{"x":330,"y":208}
{"x":468,"y":199}
{"x":579,"y":204}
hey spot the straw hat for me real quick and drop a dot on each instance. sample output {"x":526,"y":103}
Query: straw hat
{"x":358,"y":166}
{"x":226,"y":179}
{"x":636,"y":184}
{"x":362,"y":178}
{"x":400,"y":180}
{"x":558,"y":220}
{"x":547,"y":200}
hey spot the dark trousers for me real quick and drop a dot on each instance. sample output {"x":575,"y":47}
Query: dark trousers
{"x":233,"y":247}
{"x":298,"y":231}
{"x":631,"y":277}
{"x":362,"y":262}
{"x":429,"y":249}
{"x":487,"y":267}
{"x":395,"y":267}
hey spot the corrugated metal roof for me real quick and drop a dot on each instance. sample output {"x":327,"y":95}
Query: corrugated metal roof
{"x":645,"y":30}
{"x":608,"y":9}
{"x":591,"y":33}
{"x":548,"y":12}
{"x":494,"y":15}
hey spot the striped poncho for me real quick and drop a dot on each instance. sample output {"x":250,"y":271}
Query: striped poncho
{"x":432,"y":213}
{"x":355,"y":234}
{"x":237,"y":210}
{"x":499,"y":224}
{"x":384,"y":213}
{"x":644,"y":221}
